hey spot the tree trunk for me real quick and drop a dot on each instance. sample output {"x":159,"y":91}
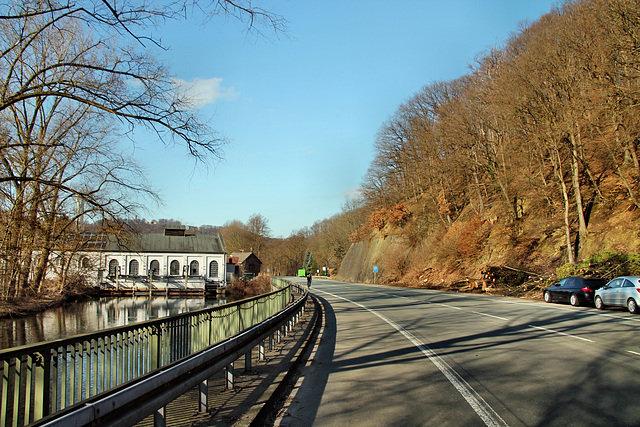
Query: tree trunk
{"x":557,"y":167}
{"x":567,"y":225}
{"x":575,"y":177}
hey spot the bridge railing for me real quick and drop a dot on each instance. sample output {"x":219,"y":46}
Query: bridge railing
{"x":44,"y":378}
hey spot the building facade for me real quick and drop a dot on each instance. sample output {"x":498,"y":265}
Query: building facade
{"x":247,"y":264}
{"x":173,"y":257}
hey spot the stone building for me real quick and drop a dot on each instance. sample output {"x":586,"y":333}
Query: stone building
{"x":246,"y":264}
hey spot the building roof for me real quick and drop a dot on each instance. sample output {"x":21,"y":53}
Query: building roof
{"x":242,"y":256}
{"x":189,"y":243}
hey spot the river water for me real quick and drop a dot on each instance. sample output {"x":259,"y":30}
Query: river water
{"x":93,"y":315}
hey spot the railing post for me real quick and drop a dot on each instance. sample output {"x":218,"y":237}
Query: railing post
{"x":261,"y":350}
{"x":62,"y":377}
{"x":119,"y":358}
{"x":159,"y":419}
{"x":55,"y":375}
{"x":154,"y":357}
{"x":71,"y":374}
{"x":247,"y":361}
{"x":124,"y":345}
{"x":16,"y":374}
{"x":131,"y":359}
{"x":4,"y":386}
{"x":229,"y":382}
{"x":109,"y":359}
{"x":95,"y":355}
{"x":202,"y":389}
{"x":28,"y":377}
{"x":43,"y":389}
{"x":210,"y":331}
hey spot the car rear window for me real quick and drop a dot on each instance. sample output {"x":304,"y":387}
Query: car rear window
{"x":595,"y":283}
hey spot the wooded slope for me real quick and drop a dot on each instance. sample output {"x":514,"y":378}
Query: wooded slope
{"x":529,"y":161}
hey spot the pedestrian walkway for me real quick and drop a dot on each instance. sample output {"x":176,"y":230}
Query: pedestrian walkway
{"x":252,"y":390}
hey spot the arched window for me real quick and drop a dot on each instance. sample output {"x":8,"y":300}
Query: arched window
{"x":194,"y":268}
{"x":154,"y":267}
{"x":114,"y":267}
{"x":174,"y":268}
{"x":213,"y":269}
{"x":133,"y":268}
{"x":84,"y":263}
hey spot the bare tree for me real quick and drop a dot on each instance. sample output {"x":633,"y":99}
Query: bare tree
{"x":258,"y":228}
{"x":236,"y":236}
{"x":285,"y":256}
{"x":65,"y":173}
{"x":74,"y":76}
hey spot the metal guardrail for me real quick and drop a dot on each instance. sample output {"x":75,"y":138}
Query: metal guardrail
{"x":149,"y":395}
{"x":42,"y":379}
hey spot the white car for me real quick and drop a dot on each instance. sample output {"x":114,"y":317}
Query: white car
{"x":620,"y":292}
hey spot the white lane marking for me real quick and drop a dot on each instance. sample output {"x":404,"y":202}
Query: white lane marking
{"x":538,"y":303}
{"x":447,"y":305}
{"x":574,"y":310}
{"x":477,"y":403}
{"x":618,"y":317}
{"x":489,"y":315}
{"x":633,"y":352}
{"x":530,"y":302}
{"x":474,"y":312}
{"x":560,"y":333}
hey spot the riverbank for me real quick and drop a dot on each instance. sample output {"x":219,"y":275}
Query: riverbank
{"x":28,"y":305}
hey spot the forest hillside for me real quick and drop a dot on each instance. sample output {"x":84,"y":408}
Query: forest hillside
{"x":528,"y":163}
{"x":489,"y":254}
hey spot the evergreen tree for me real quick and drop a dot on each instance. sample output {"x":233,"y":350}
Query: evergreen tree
{"x":309,"y":262}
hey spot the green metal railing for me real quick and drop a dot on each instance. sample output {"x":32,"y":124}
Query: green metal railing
{"x":41,"y":379}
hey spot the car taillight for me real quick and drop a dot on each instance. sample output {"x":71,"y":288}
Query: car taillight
{"x":586,"y":289}
{"x":638,"y":289}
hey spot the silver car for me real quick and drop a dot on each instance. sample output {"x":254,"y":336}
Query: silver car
{"x":620,"y":292}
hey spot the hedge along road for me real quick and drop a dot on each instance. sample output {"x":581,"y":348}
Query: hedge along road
{"x":399,"y":356}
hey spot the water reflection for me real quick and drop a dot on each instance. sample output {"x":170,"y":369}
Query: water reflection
{"x":89,"y":316}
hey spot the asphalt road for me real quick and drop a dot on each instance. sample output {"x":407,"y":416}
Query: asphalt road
{"x":407,"y":357}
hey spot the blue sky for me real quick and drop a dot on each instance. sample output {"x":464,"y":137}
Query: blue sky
{"x":300,"y":112}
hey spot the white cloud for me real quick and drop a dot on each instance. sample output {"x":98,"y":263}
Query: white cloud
{"x":354,"y":193}
{"x":200,"y":92}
